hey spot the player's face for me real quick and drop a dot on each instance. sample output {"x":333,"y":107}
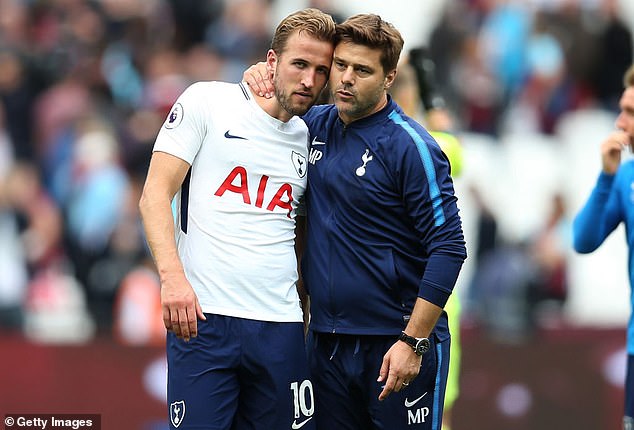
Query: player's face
{"x":358,"y":82}
{"x":625,"y":120}
{"x":301,"y":72}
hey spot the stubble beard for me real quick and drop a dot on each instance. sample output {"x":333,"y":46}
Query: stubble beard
{"x":355,"y":109}
{"x":285,"y":100}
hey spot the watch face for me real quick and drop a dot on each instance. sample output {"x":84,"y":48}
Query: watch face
{"x":419,"y":345}
{"x":422,"y":346}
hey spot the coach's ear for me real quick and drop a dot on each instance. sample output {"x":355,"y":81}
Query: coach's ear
{"x":389,"y":79}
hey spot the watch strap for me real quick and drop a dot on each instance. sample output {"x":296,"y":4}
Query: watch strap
{"x":420,"y":345}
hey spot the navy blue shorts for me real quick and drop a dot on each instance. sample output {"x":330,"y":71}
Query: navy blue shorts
{"x":345,"y":369}
{"x":240,"y":374}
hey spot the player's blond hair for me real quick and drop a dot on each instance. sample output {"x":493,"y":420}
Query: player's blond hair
{"x":311,"y":21}
{"x":628,"y":78}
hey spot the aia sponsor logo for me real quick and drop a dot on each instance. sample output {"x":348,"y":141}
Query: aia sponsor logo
{"x":237,"y":182}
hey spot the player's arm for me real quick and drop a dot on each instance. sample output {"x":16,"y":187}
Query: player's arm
{"x":179,"y":302}
{"x":259,"y":78}
{"x":601,"y":213}
{"x":598,"y":217}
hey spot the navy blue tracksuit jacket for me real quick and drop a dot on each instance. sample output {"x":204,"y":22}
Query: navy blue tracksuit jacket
{"x":382,"y":223}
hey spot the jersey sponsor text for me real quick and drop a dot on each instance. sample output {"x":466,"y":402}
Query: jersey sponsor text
{"x":240,"y":173}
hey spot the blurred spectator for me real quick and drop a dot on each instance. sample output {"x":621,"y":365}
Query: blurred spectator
{"x":549,"y":250}
{"x":55,"y":113}
{"x":94,"y":210}
{"x":138,"y":316}
{"x":574,"y":24}
{"x":481,"y":96}
{"x":17,"y":94}
{"x":242,"y":33}
{"x":502,"y":43}
{"x":13,"y":263}
{"x":55,"y":310}
{"x":14,"y":280}
{"x":40,"y":220}
{"x":7,"y":157}
{"x":124,"y":255}
{"x":518,"y":287}
{"x":328,"y":7}
{"x":486,"y":243}
{"x":458,"y":21}
{"x":500,"y":288}
{"x":502,"y":279}
{"x":486,"y":227}
{"x":191,"y":19}
{"x":547,"y":91}
{"x":98,"y":188}
{"x":614,"y":57}
{"x":164,"y":80}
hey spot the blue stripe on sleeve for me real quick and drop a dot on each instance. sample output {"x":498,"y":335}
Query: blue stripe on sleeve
{"x":428,"y":165}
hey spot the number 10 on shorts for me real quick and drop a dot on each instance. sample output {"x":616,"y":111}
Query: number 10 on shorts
{"x":303,"y":398}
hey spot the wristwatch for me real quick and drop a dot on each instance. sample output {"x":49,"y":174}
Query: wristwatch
{"x":420,"y":345}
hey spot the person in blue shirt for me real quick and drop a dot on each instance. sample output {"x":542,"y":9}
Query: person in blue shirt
{"x":609,"y":204}
{"x":384,"y":244}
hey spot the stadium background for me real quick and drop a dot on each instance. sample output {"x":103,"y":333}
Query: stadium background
{"x":84,"y":86}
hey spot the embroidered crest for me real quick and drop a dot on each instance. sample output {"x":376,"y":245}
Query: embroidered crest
{"x":177,"y":413}
{"x":366,"y":158}
{"x":299,"y":162}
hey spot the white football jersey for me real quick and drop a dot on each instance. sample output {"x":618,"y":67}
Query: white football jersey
{"x":236,"y":209}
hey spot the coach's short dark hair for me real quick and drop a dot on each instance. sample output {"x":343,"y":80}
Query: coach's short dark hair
{"x":371,"y":31}
{"x":310,"y":21}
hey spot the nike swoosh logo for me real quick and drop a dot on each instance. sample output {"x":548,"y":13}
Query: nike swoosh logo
{"x":233,"y":136}
{"x":413,"y":402}
{"x":315,"y":142}
{"x":297,"y":425}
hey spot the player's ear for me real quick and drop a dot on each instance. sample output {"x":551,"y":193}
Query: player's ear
{"x":271,"y":62}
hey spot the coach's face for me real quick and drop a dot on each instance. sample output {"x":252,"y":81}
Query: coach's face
{"x":358,"y":82}
{"x":300,"y":72}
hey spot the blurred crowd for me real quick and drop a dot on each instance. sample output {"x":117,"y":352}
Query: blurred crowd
{"x":509,"y":66}
{"x":86,"y":84}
